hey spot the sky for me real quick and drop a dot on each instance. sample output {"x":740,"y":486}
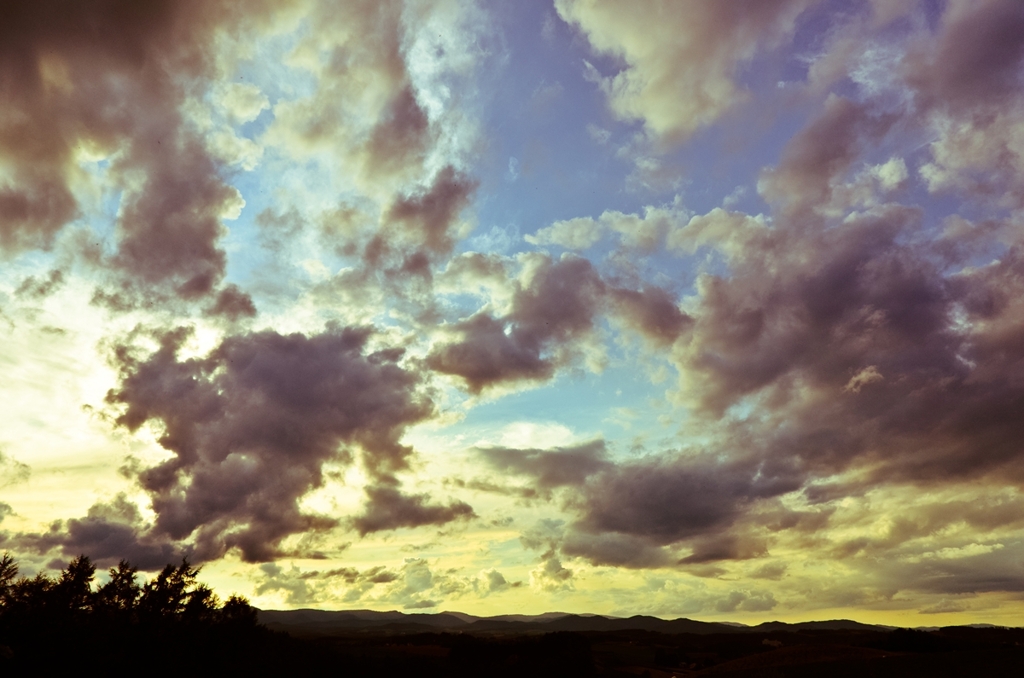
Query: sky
{"x":702,"y":309}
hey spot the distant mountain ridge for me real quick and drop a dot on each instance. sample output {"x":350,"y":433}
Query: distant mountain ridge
{"x":309,"y":622}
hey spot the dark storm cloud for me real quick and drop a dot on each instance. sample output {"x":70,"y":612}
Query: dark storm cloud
{"x":638,"y":514}
{"x":850,"y":332}
{"x":252,"y":424}
{"x":111,"y":75}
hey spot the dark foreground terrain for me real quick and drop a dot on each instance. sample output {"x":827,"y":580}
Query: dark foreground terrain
{"x":173,"y":625}
{"x":600,"y":646}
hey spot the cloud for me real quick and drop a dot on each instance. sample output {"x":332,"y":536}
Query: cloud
{"x":665,"y":501}
{"x":728,"y":232}
{"x":638,"y":514}
{"x":966,"y":84}
{"x":111,"y":80}
{"x":746,"y":601}
{"x":495,"y":582}
{"x":575,"y":234}
{"x":553,"y":309}
{"x":955,"y":571}
{"x":820,"y":153}
{"x":616,"y":549}
{"x":550,"y":575}
{"x":39,"y":289}
{"x":553,"y":306}
{"x":975,"y":58}
{"x":681,"y":57}
{"x":293,"y":583}
{"x":413,"y":585}
{"x":388,"y":509}
{"x":549,"y":469}
{"x":839,"y":343}
{"x":651,"y":312}
{"x":108,"y":533}
{"x":429,"y":216}
{"x":251,"y":424}
{"x":362,"y":109}
{"x":12,"y":471}
{"x":636,"y":232}
{"x":232,"y":303}
{"x":381,"y":116}
{"x":315,"y":586}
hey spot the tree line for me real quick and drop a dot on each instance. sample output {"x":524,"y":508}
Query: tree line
{"x":69,"y":622}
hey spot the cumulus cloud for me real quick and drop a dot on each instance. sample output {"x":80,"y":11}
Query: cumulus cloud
{"x":413,"y":585}
{"x":430,"y":216}
{"x":638,"y":232}
{"x":864,"y":347}
{"x":251,"y":424}
{"x":747,"y":601}
{"x":575,"y":234}
{"x":632,"y":510}
{"x":554,"y":304}
{"x":553,"y":308}
{"x":966,"y":80}
{"x":111,"y":79}
{"x":681,"y":57}
{"x":728,"y":232}
{"x":551,"y":575}
{"x":109,"y":532}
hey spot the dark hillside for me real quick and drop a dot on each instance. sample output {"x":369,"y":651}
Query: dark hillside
{"x":173,"y":625}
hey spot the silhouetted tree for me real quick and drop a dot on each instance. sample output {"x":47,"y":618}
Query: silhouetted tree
{"x":121,"y":594}
{"x":172,"y":618}
{"x":8,"y":571}
{"x":72,"y":592}
{"x":166,"y":596}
